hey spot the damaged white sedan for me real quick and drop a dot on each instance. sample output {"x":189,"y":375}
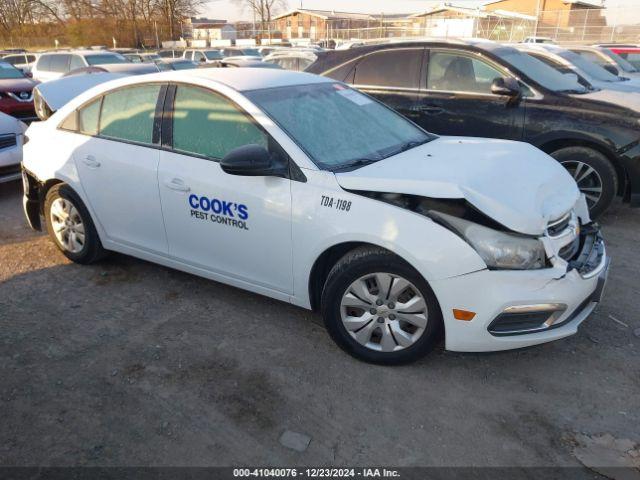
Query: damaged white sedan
{"x":300,"y":188}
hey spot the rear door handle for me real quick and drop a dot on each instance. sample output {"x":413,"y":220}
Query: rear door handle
{"x":90,"y":161}
{"x":178,"y":185}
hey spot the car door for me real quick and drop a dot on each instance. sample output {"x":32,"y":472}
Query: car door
{"x":457,"y":98}
{"x":118,"y":165}
{"x":237,"y":226}
{"x":392,"y":76}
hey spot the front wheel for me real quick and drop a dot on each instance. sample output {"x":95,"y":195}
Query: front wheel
{"x":594,"y":174}
{"x":379,"y":309}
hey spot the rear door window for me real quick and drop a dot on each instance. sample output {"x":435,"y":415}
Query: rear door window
{"x":44,"y":63}
{"x":128,"y":114}
{"x":398,"y":68}
{"x":60,"y":63}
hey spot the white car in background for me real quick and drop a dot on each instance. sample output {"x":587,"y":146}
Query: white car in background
{"x":567,"y":61}
{"x":208,"y":56}
{"x":52,"y":65}
{"x":22,"y":61}
{"x":300,"y":188}
{"x":11,"y":141}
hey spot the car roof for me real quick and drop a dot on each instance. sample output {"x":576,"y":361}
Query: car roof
{"x":245,"y":79}
{"x":82,"y":52}
{"x":239,"y":79}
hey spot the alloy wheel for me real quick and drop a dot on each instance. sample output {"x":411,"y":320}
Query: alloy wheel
{"x":67,"y":224}
{"x":588,"y":180}
{"x":384,"y":312}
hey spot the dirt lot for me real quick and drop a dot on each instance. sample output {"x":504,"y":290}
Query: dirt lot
{"x":129,"y":363}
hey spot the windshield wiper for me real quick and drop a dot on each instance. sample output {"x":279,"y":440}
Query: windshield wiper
{"x":358,"y":163}
{"x":574,"y":91}
{"x":409,"y":145}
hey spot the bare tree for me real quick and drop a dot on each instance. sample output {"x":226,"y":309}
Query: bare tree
{"x":263,"y":10}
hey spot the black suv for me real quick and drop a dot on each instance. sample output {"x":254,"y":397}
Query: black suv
{"x":484,"y":89}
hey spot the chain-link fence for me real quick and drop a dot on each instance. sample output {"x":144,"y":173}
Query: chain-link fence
{"x":585,"y":26}
{"x":570,"y":26}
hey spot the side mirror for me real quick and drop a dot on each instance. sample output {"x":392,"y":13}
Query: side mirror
{"x":202,"y":60}
{"x":612,"y":69}
{"x":252,"y":161}
{"x":505,"y":86}
{"x":28,"y":74}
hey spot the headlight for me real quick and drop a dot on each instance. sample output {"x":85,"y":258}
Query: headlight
{"x":499,"y":250}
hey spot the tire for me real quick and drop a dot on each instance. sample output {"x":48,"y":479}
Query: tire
{"x":385,"y":337}
{"x":592,"y":171}
{"x":65,"y":213}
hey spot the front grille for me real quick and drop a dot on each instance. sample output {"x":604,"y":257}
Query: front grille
{"x":29,"y":114}
{"x":25,"y":96}
{"x":591,"y":252}
{"x":7,"y":141}
{"x":9,"y":170}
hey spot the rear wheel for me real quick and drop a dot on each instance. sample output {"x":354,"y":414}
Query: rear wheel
{"x":379,"y":309}
{"x":70,"y":226}
{"x":594,"y":174}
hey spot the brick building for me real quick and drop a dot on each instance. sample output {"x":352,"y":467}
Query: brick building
{"x":319,"y":24}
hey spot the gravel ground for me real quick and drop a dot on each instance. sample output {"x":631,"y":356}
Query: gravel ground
{"x":129,"y":363}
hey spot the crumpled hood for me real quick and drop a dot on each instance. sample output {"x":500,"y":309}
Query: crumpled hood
{"x":514,"y":183}
{"x":56,"y":93}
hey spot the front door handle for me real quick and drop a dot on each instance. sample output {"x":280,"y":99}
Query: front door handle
{"x":90,"y":161}
{"x":430,"y":109}
{"x":178,"y":185}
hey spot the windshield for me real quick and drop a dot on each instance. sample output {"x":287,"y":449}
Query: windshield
{"x":622,"y":63}
{"x":104,"y":58}
{"x":632,"y":57}
{"x":592,"y":69}
{"x":337,"y":126}
{"x":250,"y":52}
{"x":213,"y":54}
{"x":9,"y":71}
{"x":186,"y":65}
{"x":540,"y":71}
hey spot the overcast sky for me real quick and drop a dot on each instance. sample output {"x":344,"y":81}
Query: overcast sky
{"x":228,"y":9}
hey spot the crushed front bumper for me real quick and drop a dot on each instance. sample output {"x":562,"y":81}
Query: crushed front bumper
{"x":516,"y":309}
{"x":31,"y":201}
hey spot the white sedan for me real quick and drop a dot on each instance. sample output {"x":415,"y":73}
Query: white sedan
{"x":11,"y":140}
{"x":300,"y":188}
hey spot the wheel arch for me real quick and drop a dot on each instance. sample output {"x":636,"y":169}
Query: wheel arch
{"x":44,"y":189}
{"x":328,"y":258}
{"x":551,"y":146}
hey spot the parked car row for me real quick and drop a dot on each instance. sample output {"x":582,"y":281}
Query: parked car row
{"x":485,"y":89}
